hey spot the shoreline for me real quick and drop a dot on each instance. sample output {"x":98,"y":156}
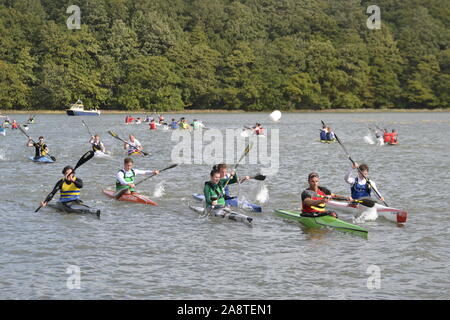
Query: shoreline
{"x":201,"y":111}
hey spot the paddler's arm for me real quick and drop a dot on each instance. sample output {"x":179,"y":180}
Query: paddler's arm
{"x":348,"y":176}
{"x":146,"y":172}
{"x":374,"y":186}
{"x":234,"y":179}
{"x":30,"y":143}
{"x":51,"y":194}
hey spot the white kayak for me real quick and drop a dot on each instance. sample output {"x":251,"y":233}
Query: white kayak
{"x":225,"y":213}
{"x":100,"y":154}
{"x":391,"y":214}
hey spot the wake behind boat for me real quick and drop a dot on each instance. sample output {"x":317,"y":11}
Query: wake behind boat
{"x":77,"y":109}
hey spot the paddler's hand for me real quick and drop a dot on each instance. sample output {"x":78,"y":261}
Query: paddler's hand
{"x":349,"y":199}
{"x":214,"y":203}
{"x":131,"y":185}
{"x":156,"y":172}
{"x":355,"y":165}
{"x":43,"y":204}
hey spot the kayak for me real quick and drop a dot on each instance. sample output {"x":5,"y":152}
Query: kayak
{"x":391,"y":214}
{"x":74,"y":207}
{"x":233,"y":202}
{"x":2,"y":132}
{"x":225,"y":213}
{"x":134,"y":153}
{"x":135,"y":197}
{"x":42,"y":159}
{"x":100,"y":154}
{"x":323,"y":222}
{"x":328,"y":141}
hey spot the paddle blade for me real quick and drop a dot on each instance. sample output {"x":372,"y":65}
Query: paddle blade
{"x":53,"y":158}
{"x":366,"y":202}
{"x":114,"y":134}
{"x":260,"y":177}
{"x":85,"y":158}
{"x":38,"y":209}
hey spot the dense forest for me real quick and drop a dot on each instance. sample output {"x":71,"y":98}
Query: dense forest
{"x":222,"y":54}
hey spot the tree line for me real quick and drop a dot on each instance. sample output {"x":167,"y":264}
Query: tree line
{"x":250,"y":55}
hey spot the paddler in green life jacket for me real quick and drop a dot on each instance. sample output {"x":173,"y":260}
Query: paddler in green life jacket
{"x":125,"y":176}
{"x":214,"y":189}
{"x":315,"y":198}
{"x":69,"y":188}
{"x":222,"y":168}
{"x":97,"y":144}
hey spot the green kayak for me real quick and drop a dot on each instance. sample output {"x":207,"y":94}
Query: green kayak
{"x":323,"y":222}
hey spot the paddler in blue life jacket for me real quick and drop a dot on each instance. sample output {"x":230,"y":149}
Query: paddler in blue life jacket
{"x":69,"y":188}
{"x":97,"y":144}
{"x":125,"y":176}
{"x":359,"y":186}
{"x":330,"y":135}
{"x":323,"y":133}
{"x":173,"y":124}
{"x":40,"y":147}
{"x":222,"y":168}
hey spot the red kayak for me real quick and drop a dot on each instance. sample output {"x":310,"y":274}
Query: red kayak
{"x":135,"y":197}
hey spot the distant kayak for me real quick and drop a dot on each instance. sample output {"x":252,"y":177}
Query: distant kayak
{"x":233,"y":202}
{"x":42,"y":159}
{"x":134,"y":153}
{"x":135,"y":197}
{"x":225,"y":213}
{"x":2,"y":131}
{"x":323,"y":222}
{"x":328,"y":141}
{"x":75,"y":207}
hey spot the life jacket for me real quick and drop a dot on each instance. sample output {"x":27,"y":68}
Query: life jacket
{"x":387,"y":137}
{"x":40,"y":149}
{"x":360,"y":190}
{"x":69,"y":191}
{"x":319,"y":208}
{"x":259,"y":131}
{"x":174,"y":125}
{"x":218,"y":190}
{"x":96,"y":146}
{"x":14,"y":125}
{"x":152,"y":125}
{"x":323,"y":135}
{"x":394,"y":137}
{"x":129,"y":179}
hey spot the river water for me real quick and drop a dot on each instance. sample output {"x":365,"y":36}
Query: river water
{"x":168,"y":252}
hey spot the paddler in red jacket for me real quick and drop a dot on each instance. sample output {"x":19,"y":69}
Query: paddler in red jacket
{"x":315,"y":198}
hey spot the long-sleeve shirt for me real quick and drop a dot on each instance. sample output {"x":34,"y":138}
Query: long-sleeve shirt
{"x":120,"y":176}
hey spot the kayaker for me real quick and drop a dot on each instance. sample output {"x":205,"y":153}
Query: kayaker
{"x":69,"y":188}
{"x":133,"y":145}
{"x":138,"y":121}
{"x":152,"y":125}
{"x":258,"y":129}
{"x":315,"y":198}
{"x":359,"y":186}
{"x":97,"y":144}
{"x":183,"y":125}
{"x":173,"y":124}
{"x":394,"y":136}
{"x":323,"y":133}
{"x":14,"y":125}
{"x":41,"y":147}
{"x":214,"y":189}
{"x":223,"y":168}
{"x":330,"y":135}
{"x":386,"y":136}
{"x":125,"y":176}
{"x":197,"y":124}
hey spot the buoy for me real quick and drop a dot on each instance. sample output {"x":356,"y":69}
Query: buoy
{"x":275,"y":116}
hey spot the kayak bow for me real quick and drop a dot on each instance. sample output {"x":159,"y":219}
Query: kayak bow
{"x":134,"y":197}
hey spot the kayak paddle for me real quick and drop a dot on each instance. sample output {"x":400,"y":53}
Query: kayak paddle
{"x":84,"y":124}
{"x":246,"y":151}
{"x":353,"y":162}
{"x":84,"y":158}
{"x":258,"y":177}
{"x":121,"y":192}
{"x":23,"y":131}
{"x":365,"y":202}
{"x":118,"y":138}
